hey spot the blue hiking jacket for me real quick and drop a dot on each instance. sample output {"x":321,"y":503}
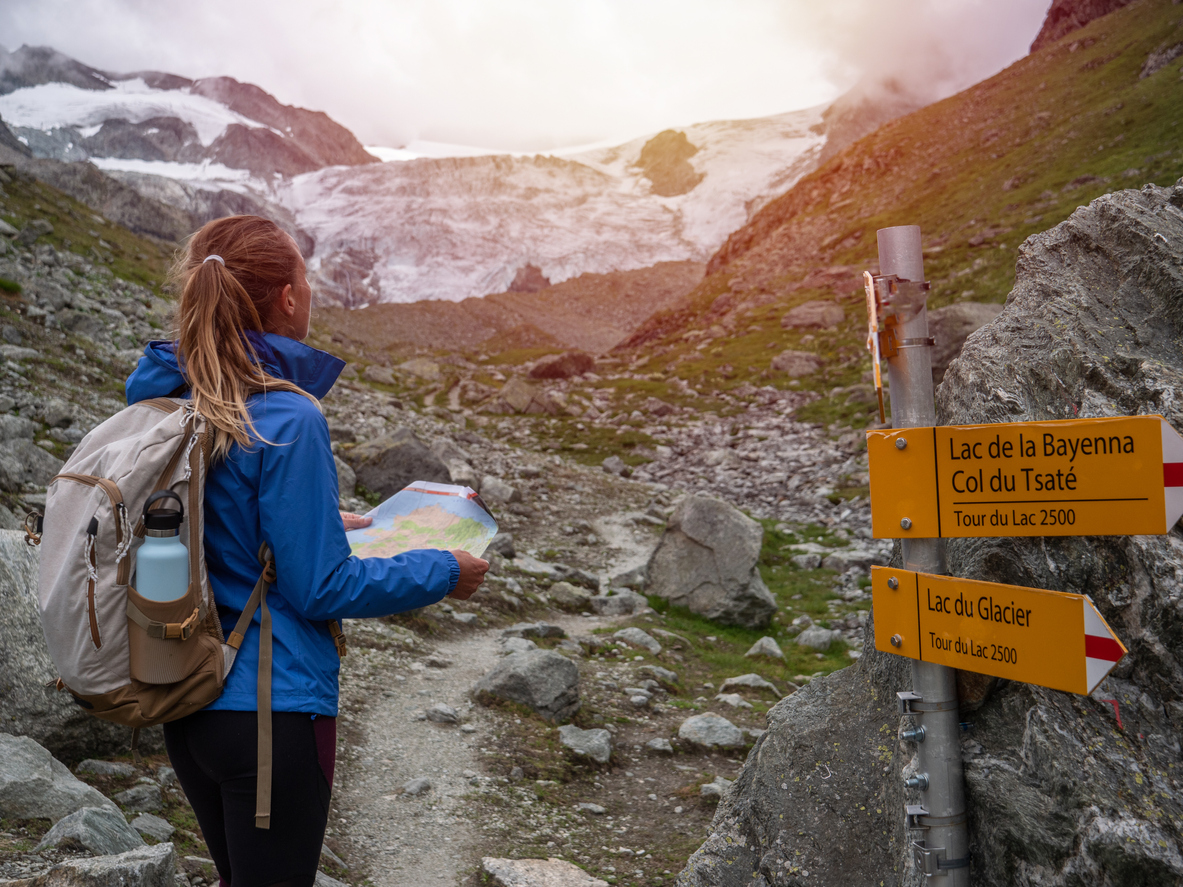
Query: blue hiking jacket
{"x":284,"y":492}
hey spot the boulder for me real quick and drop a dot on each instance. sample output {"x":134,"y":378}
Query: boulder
{"x":536,"y":873}
{"x":498,"y":492}
{"x":142,"y":798}
{"x":659,"y":746}
{"x":636,"y":637}
{"x":502,"y":544}
{"x":951,"y":326}
{"x":542,"y":680}
{"x":1061,"y":789}
{"x":442,"y":713}
{"x":101,"y":830}
{"x":766,"y":646}
{"x":816,"y":314}
{"x":615,"y":465}
{"x":796,"y":363}
{"x":421,"y":368}
{"x":153,"y":827}
{"x":707,"y":561}
{"x":377,"y":373}
{"x":563,"y":366}
{"x":36,"y":785}
{"x":458,"y":463}
{"x":817,"y":638}
{"x":620,"y":603}
{"x":748,"y":682}
{"x":29,"y":705}
{"x":142,"y":867}
{"x":519,"y":396}
{"x":346,"y":477}
{"x":420,"y":785}
{"x":636,"y":578}
{"x":569,"y":597}
{"x":595,"y":744}
{"x":387,"y":464}
{"x":710,"y":731}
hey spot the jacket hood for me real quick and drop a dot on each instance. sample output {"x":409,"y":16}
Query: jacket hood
{"x":158,"y":373}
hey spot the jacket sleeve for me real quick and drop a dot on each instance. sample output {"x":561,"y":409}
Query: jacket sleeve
{"x":300,"y":520}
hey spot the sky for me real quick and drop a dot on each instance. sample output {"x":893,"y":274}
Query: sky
{"x":525,"y":75}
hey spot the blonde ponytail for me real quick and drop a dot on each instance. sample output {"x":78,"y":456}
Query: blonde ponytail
{"x":220,"y":301}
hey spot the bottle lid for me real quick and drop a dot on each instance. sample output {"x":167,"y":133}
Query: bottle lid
{"x":161,"y":519}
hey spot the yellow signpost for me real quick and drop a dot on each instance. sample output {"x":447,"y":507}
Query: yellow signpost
{"x":1050,"y":638}
{"x":1075,"y":477}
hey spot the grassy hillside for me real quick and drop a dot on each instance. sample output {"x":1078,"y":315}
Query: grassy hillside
{"x":979,"y":172}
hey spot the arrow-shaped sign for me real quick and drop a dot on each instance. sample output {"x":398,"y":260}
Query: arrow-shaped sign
{"x":1076,"y":477}
{"x":1050,"y":638}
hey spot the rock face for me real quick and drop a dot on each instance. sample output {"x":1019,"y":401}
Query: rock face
{"x":563,"y":366}
{"x":951,"y":326}
{"x":387,"y":464}
{"x":27,"y":705}
{"x":143,"y":867}
{"x":36,"y":785}
{"x":1091,"y":329}
{"x":543,"y":680}
{"x":1066,"y":16}
{"x":101,"y":830}
{"x":707,"y":561}
{"x":665,"y":161}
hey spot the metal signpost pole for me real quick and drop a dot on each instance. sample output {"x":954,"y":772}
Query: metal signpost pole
{"x":938,"y":826}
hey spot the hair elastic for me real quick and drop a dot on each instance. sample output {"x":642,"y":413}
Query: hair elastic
{"x":218,"y":259}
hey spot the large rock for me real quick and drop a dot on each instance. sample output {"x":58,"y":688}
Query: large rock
{"x":1060,"y":791}
{"x":387,"y":464}
{"x":536,"y":873}
{"x":101,"y":830}
{"x":563,"y":366}
{"x":817,"y":314}
{"x":36,"y":785}
{"x":710,"y":731}
{"x":951,"y":326}
{"x":22,"y":461}
{"x":542,"y":680}
{"x":796,"y":363}
{"x":707,"y":561}
{"x":143,"y":867}
{"x":29,"y":705}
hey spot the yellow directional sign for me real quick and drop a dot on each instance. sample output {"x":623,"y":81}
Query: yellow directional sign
{"x":1049,"y":638}
{"x":1076,"y":477}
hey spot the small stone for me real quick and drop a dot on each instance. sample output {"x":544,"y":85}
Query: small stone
{"x":635,"y":637}
{"x":817,"y":638}
{"x":441,"y":713}
{"x":660,"y":746}
{"x":153,"y":827}
{"x":750,"y":681}
{"x":516,"y":774}
{"x":465,"y":618}
{"x":733,"y":699}
{"x":714,"y":791}
{"x":662,"y":674}
{"x":467,"y":728}
{"x":105,"y":768}
{"x":615,"y":465}
{"x":766,"y":646}
{"x":533,"y":630}
{"x":593,"y":809}
{"x":595,"y":743}
{"x":436,"y":661}
{"x":640,"y":700}
{"x":420,"y":785}
{"x":497,"y":491}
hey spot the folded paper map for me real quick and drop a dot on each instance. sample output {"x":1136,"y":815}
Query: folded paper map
{"x":426,"y":515}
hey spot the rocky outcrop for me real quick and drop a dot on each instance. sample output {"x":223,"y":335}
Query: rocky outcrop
{"x":528,"y":279}
{"x":1062,"y":789}
{"x":707,"y":561}
{"x":28,"y":703}
{"x":665,"y":161}
{"x":387,"y":464}
{"x":1065,"y":16}
{"x":951,"y":326}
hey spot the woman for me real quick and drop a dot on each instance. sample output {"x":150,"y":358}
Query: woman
{"x":244,"y":309}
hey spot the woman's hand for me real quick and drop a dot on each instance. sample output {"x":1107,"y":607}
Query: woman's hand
{"x":472,"y":574}
{"x":354,"y":521}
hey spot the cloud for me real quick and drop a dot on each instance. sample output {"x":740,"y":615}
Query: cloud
{"x":538,"y":74}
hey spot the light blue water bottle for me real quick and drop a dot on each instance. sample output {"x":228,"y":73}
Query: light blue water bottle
{"x":162,"y":563}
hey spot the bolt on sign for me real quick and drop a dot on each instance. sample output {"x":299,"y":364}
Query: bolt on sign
{"x":1075,"y":477}
{"x":1050,"y":638}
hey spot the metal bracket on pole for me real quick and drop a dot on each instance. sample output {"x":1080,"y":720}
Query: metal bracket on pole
{"x":931,"y":861}
{"x":907,"y":700}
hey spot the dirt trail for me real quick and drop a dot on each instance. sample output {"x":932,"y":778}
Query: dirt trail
{"x":399,"y":839}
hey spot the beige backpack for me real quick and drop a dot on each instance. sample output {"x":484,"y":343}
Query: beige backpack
{"x":122,"y":657}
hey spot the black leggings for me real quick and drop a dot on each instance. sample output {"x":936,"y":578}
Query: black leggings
{"x":216,"y":758}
